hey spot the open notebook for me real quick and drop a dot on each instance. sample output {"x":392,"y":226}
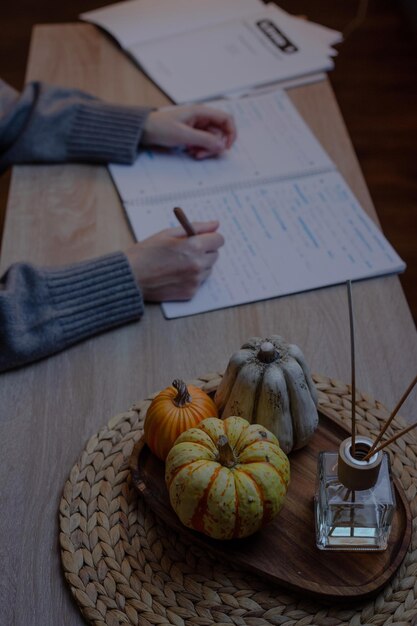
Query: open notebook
{"x":201,"y":49}
{"x":290,"y":221}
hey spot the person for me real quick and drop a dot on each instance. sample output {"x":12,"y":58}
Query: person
{"x":45,"y":310}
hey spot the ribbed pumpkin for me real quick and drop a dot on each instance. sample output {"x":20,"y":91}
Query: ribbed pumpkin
{"x":226,"y":478}
{"x":172,"y":411}
{"x":268,"y":382}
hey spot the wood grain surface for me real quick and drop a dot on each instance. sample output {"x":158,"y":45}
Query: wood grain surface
{"x":63,"y":213}
{"x":284,"y":551}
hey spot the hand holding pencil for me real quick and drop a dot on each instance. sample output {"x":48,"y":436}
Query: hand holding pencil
{"x":172,"y":264}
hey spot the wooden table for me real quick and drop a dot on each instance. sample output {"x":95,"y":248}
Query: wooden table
{"x":59,"y":214}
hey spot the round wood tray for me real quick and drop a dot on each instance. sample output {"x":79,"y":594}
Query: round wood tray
{"x":285,"y":550}
{"x":125,"y":565}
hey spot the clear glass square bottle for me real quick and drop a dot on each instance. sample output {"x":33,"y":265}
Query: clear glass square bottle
{"x":354,"y":501}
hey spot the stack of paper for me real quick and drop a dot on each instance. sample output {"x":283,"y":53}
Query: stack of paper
{"x":201,"y":49}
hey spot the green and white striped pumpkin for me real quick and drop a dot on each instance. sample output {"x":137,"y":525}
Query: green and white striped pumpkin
{"x":226,"y":478}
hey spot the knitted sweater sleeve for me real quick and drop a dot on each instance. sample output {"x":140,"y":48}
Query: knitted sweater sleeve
{"x":46,"y":124}
{"x":43,"y":311}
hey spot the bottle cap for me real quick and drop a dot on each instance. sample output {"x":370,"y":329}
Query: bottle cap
{"x":353,"y":472}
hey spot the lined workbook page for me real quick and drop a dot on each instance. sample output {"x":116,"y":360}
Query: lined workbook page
{"x":289,"y":219}
{"x":273,"y":142}
{"x":281,"y":238}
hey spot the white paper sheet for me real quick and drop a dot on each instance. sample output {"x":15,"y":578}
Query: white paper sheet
{"x":307,"y":79}
{"x":317,"y":33}
{"x":296,"y":226}
{"x":241,"y":53}
{"x":138,"y":21}
{"x":203,"y":49}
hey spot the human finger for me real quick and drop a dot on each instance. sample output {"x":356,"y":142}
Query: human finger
{"x":210,"y":258}
{"x":199,"y":228}
{"x":212,"y":118}
{"x":207,"y":242}
{"x":182,"y":290}
{"x":205,"y":227}
{"x":199,"y":153}
{"x":201,"y":139}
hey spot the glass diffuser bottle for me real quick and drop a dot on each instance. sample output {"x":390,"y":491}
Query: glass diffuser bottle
{"x":354,"y":500}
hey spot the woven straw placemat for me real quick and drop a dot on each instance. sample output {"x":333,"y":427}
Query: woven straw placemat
{"x":124,"y":566}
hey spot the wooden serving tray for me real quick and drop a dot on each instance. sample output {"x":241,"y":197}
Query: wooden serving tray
{"x":285,"y":551}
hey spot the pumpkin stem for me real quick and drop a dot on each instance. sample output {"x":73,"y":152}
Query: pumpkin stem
{"x":226,"y":455}
{"x":267,"y":352}
{"x":183,"y":397}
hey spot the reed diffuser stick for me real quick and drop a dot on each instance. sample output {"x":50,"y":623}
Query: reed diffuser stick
{"x":405,"y":395}
{"x":352,"y":365}
{"x":390,"y":440}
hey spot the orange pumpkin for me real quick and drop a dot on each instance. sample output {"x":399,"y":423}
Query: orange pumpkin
{"x":171,"y":412}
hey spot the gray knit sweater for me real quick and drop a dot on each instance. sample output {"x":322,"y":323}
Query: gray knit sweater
{"x":46,"y":124}
{"x":45,"y":310}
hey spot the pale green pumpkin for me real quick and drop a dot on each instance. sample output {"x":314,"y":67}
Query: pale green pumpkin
{"x":226,"y":478}
{"x":268,"y":382}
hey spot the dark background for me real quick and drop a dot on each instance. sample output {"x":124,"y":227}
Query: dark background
{"x":375,"y":82}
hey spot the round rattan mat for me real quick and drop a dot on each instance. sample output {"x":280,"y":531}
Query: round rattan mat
{"x":125,"y":566}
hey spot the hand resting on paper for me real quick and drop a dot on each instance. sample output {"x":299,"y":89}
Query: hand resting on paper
{"x":171,"y":266}
{"x":204,"y":131}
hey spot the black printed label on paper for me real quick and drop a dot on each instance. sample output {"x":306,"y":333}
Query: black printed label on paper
{"x":276,"y":36}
